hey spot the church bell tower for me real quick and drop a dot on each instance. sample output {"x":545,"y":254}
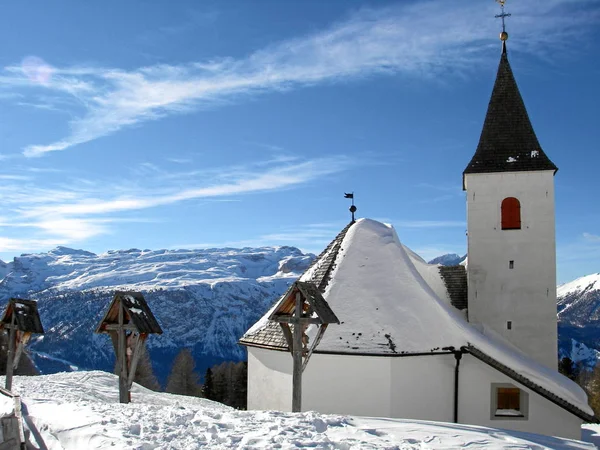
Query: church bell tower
{"x":511,"y":232}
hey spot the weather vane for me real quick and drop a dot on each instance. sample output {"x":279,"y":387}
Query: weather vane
{"x":503,"y":15}
{"x":352,"y":208}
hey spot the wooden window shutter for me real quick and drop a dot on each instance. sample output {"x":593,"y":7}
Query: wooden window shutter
{"x":509,"y":398}
{"x":511,"y":214}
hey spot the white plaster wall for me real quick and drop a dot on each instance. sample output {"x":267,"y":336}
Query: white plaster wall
{"x":525,"y":295}
{"x":423,"y":387}
{"x":343,"y":384}
{"x":357,"y":385}
{"x":419,"y":387}
{"x":544,"y":417}
{"x":269,"y":379}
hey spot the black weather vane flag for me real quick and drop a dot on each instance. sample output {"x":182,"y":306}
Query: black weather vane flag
{"x":352,"y":208}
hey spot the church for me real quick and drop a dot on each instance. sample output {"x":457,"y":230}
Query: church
{"x":385,"y":334}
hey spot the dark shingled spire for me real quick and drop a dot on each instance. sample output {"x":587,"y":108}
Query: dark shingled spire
{"x":508,"y":142}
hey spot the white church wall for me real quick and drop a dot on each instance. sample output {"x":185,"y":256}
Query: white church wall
{"x":269,"y":379}
{"x":344,"y":384}
{"x":475,"y":393}
{"x":423,"y":387}
{"x":526,"y":294}
{"x":416,"y":387}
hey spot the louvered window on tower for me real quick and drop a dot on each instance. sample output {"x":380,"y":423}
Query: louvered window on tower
{"x":511,"y":214}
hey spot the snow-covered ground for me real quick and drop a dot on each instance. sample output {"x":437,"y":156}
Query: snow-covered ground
{"x":79,"y":410}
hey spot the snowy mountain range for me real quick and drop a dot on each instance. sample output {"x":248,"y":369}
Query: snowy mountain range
{"x":203,"y":299}
{"x":449,"y":259}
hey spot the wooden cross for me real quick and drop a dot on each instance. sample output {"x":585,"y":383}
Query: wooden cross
{"x":128,"y":356}
{"x":128,"y":321}
{"x":301,"y":306}
{"x":20,"y":319}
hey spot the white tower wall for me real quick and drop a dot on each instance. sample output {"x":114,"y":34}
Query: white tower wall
{"x":525,"y":295}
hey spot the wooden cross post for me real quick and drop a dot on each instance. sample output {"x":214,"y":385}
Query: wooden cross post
{"x":297,"y":356}
{"x":122,"y":357}
{"x":301,"y":306}
{"x":128,"y":321}
{"x":12,"y":335}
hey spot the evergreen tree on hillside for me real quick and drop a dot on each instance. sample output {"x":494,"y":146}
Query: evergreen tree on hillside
{"x":567,"y":367}
{"x":226,"y":383}
{"x":183,"y":379}
{"x":589,"y":380}
{"x":208,"y":387}
{"x":239,"y":395}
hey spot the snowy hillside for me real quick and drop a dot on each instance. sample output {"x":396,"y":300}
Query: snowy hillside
{"x":579,"y":319}
{"x":204,"y":299}
{"x":79,"y":410}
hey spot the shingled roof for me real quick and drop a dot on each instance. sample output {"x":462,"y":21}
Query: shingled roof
{"x":455,"y":279}
{"x":26,"y":316}
{"x":508,"y":142}
{"x":319,"y":274}
{"x":137,"y":312}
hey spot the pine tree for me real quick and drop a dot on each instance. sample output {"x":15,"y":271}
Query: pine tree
{"x":227,"y":383}
{"x":183,"y":379}
{"x":220,"y":382}
{"x":567,"y":368}
{"x":239,"y":398}
{"x":208,"y":388}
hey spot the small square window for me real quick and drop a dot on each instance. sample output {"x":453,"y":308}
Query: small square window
{"x":511,"y":264}
{"x":509,"y":325}
{"x":508,"y":402}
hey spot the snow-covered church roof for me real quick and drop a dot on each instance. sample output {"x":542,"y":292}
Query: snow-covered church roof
{"x":390,"y":302}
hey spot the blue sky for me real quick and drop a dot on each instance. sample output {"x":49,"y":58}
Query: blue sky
{"x":233,"y":123}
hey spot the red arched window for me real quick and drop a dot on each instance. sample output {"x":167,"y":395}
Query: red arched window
{"x":511,"y":214}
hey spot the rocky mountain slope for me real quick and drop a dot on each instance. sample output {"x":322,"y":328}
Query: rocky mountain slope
{"x":203,"y":299}
{"x":579,"y":319}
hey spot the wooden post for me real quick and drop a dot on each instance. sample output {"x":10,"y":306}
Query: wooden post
{"x":10,"y":357}
{"x":297,"y":356}
{"x":122,"y":357}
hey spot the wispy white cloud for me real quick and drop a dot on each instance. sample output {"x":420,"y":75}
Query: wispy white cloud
{"x":14,"y":177}
{"x":422,"y":38}
{"x":13,"y":244}
{"x":591,"y":237}
{"x":79,"y":210}
{"x":180,"y":160}
{"x":309,"y":238}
